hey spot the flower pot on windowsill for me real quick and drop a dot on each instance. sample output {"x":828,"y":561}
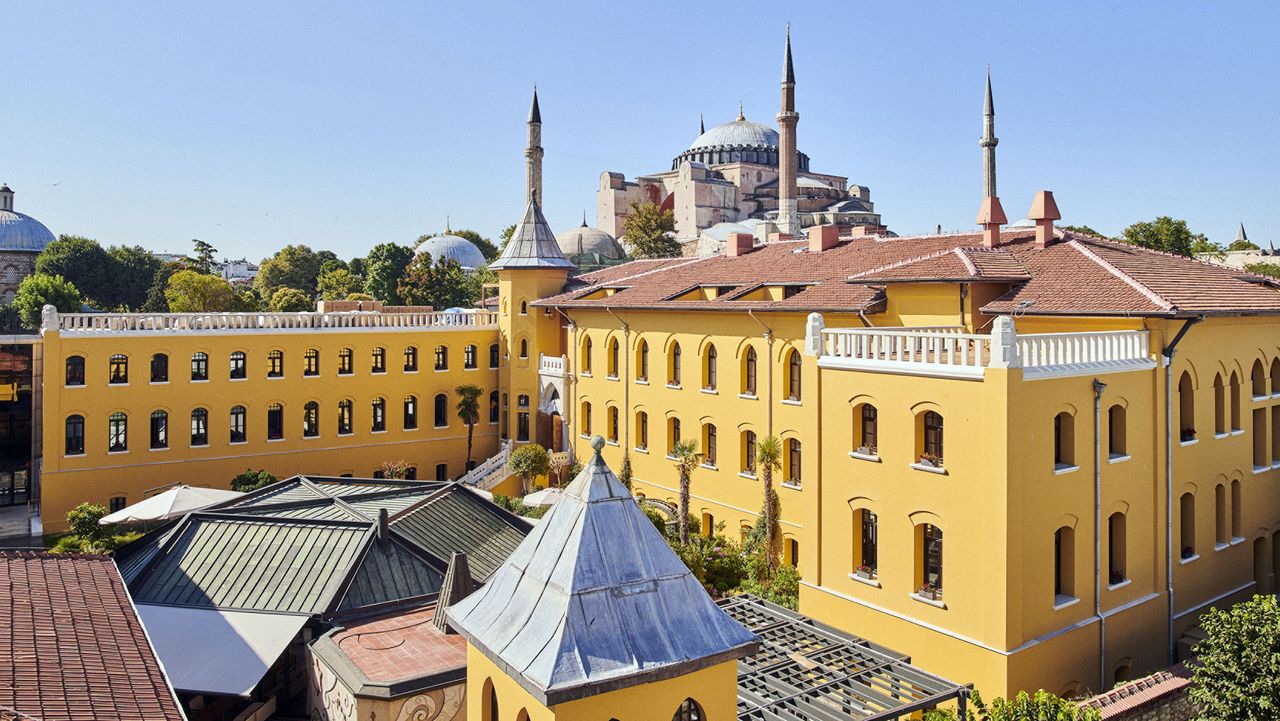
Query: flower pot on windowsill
{"x":1188,"y":434}
{"x":866,"y":572}
{"x":866,"y":450}
{"x":930,"y":460}
{"x":930,"y":593}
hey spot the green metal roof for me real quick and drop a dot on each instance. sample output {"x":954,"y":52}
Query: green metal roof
{"x":390,"y":572}
{"x":459,"y":520}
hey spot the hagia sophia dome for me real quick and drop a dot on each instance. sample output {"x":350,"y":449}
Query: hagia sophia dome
{"x":453,"y":247}
{"x":585,"y":240}
{"x":20,"y":232}
{"x":737,"y":141}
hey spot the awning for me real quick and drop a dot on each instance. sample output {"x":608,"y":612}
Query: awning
{"x":173,"y":503}
{"x":227,"y":653}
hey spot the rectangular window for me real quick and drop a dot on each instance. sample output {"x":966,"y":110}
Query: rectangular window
{"x":442,"y":358}
{"x":522,"y":426}
{"x":442,"y":472}
{"x":75,"y":436}
{"x":275,"y":422}
{"x":237,"y":425}
{"x":642,"y":431}
{"x":199,"y":367}
{"x":119,"y":370}
{"x":199,"y":427}
{"x":311,"y":363}
{"x":275,"y":364}
{"x":493,"y":356}
{"x":118,"y":433}
{"x":410,"y":413}
{"x":869,"y":541}
{"x":379,"y":364}
{"x":410,"y":359}
{"x":75,"y":371}
{"x":345,"y":362}
{"x":159,"y":429}
{"x":932,"y":560}
{"x":159,"y":368}
{"x":379,"y":415}
{"x":870,"y":428}
{"x":469,"y":357}
{"x":117,"y":503}
{"x":238,"y":369}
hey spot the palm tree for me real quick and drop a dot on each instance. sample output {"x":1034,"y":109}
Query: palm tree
{"x":469,"y":411}
{"x":687,"y":458}
{"x":768,"y":460}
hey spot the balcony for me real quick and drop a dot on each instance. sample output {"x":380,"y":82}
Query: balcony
{"x":552,"y":366}
{"x":951,"y":353}
{"x":137,"y":323}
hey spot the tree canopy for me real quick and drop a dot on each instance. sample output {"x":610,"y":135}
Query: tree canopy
{"x":293,"y":266}
{"x":1164,"y":234}
{"x":41,"y":289}
{"x":442,"y":284}
{"x":131,"y":270}
{"x":1237,"y":675}
{"x":337,"y":283}
{"x":201,"y":260}
{"x":1271,"y":270}
{"x":83,"y":263}
{"x":386,"y":266}
{"x":648,"y":232}
{"x":189,"y":291}
{"x":289,"y":300}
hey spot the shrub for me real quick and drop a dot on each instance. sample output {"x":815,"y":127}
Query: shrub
{"x":1043,"y":706}
{"x":1237,"y":675}
{"x":519,"y":507}
{"x":251,"y":480}
{"x":89,"y":536}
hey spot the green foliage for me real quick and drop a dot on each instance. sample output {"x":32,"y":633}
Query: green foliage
{"x":131,"y":271}
{"x":1242,"y":245}
{"x":528,"y":462}
{"x":686,"y":455}
{"x":625,"y":473}
{"x":201,"y":260}
{"x":289,"y":300}
{"x":1043,"y":706}
{"x":1204,"y":246}
{"x":190,"y":292}
{"x":251,"y":480}
{"x":485,"y":245}
{"x":359,"y":267}
{"x":658,"y":520}
{"x":359,"y":296}
{"x":83,"y":263}
{"x":1271,"y":270}
{"x":248,"y":301}
{"x":518,"y":507}
{"x":89,"y":536}
{"x":469,"y":409}
{"x":156,"y":301}
{"x":398,"y":470}
{"x":505,"y":235}
{"x":574,"y":469}
{"x":1237,"y":675}
{"x":38,"y":290}
{"x":386,"y":265}
{"x":337,"y":283}
{"x":1083,"y":229}
{"x":714,"y":560}
{"x":649,"y":231}
{"x":769,"y":461}
{"x":473,"y":285}
{"x":1164,"y":234}
{"x":441,"y":284}
{"x":293,"y":266}
{"x":780,"y":585}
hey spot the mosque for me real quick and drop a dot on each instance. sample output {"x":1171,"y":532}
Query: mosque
{"x":21,"y":240}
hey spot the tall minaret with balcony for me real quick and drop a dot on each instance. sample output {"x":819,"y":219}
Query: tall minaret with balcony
{"x":990,"y":214}
{"x":788,"y":217}
{"x":533,"y":153}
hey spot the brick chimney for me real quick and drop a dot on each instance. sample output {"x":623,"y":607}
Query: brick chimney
{"x":739,"y":244}
{"x":823,"y":237}
{"x":991,"y":217}
{"x":1044,"y":211}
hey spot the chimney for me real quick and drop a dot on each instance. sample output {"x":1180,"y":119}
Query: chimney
{"x":823,"y":237}
{"x":382,"y":527}
{"x":457,"y":585}
{"x":739,"y":244}
{"x":991,"y":217}
{"x":1044,"y":211}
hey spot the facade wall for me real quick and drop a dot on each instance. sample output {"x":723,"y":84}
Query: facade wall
{"x":14,"y":266}
{"x":98,"y":475}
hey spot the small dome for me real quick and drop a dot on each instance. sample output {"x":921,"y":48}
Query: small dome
{"x":18,"y":231}
{"x":739,"y":133}
{"x":585,"y":240}
{"x":455,"y":248}
{"x":721,"y":231}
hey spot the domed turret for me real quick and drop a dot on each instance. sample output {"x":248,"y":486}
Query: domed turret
{"x":587,"y":241}
{"x":453,"y":247}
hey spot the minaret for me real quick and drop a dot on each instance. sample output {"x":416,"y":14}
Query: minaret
{"x":990,"y":214}
{"x":702,"y":125}
{"x":1241,"y":236}
{"x":788,"y":220}
{"x":533,"y":153}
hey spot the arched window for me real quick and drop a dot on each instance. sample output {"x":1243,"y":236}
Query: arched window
{"x":709,"y":368}
{"x":709,"y":444}
{"x":275,"y":364}
{"x":689,"y":710}
{"x":441,"y":416}
{"x":749,"y":372}
{"x":159,"y":429}
{"x":673,"y":366}
{"x":1275,"y":376}
{"x":1219,"y":406}
{"x":493,"y":355}
{"x":522,"y":417}
{"x":200,"y":427}
{"x":503,"y":423}
{"x":1187,"y":525}
{"x":442,"y":358}
{"x":378,"y":361}
{"x":199,"y":366}
{"x":793,"y":375}
{"x":344,"y":417}
{"x":524,"y":348}
{"x":1235,"y":510}
{"x":1117,"y":431}
{"x":1221,"y":516}
{"x":311,"y":419}
{"x":1235,"y":402}
{"x":929,"y":561}
{"x":1064,"y":441}
{"x":586,"y":355}
{"x":613,"y":424}
{"x":411,"y":359}
{"x":160,"y":368}
{"x":642,"y":431}
{"x":1064,"y":564}
{"x":346,"y":362}
{"x":930,"y":443}
{"x":236,"y":425}
{"x":642,"y":361}
{"x":1259,"y":378}
{"x":613,"y":358}
{"x":585,"y":420}
{"x":749,"y":453}
{"x":410,"y":413}
{"x":378,"y":415}
{"x":74,"y":445}
{"x":118,"y":369}
{"x":469,"y":357}
{"x":673,"y":434}
{"x":489,"y":702}
{"x":237,"y":367}
{"x":117,"y":433}
{"x":75,"y":370}
{"x":866,"y":430}
{"x":275,"y":422}
{"x":1186,"y":409}
{"x":311,"y":362}
{"x":1117,"y":544}
{"x":865,"y":543}
{"x":524,"y":308}
{"x":793,"y":462}
{"x":493,"y":406}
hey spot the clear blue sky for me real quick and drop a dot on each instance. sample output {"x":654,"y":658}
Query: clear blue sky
{"x":252,"y":125}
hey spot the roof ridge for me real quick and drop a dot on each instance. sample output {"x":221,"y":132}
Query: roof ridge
{"x":901,"y":263}
{"x":1132,"y":282}
{"x":651,"y":270}
{"x":964,"y":258}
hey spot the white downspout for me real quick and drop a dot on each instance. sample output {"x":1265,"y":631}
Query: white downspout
{"x":1098,"y":387}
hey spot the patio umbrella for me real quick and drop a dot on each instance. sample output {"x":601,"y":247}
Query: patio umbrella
{"x":545,"y":497}
{"x":175,"y":502}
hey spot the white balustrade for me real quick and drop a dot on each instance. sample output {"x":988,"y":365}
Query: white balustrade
{"x":170,"y":322}
{"x":1064,"y":349}
{"x":552,"y":365}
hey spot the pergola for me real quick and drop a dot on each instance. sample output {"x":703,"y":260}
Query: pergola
{"x":809,"y":671}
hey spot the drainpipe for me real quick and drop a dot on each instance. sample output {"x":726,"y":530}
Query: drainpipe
{"x":1098,"y":387}
{"x":768,"y":337}
{"x":1168,"y":473}
{"x":626,"y":384}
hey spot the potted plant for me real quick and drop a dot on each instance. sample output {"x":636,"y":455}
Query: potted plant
{"x":1188,"y":434}
{"x":930,"y":592}
{"x":931,"y":460}
{"x":793,"y":398}
{"x":866,"y":450}
{"x":1188,"y":552}
{"x":865,"y":571}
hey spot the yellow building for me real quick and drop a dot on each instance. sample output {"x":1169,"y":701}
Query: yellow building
{"x":132,"y":402}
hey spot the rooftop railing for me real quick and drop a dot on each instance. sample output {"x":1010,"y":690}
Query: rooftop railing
{"x":552,"y":365}
{"x":178,"y":322}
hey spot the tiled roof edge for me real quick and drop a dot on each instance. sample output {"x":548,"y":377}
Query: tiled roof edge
{"x":1151,"y":295}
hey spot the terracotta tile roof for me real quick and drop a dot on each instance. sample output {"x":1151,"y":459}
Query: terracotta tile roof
{"x":401,"y":646}
{"x":75,"y":647}
{"x":1142,"y":692}
{"x":1076,"y":274}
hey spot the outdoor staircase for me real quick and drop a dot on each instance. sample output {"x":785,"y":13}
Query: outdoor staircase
{"x":491,"y":472}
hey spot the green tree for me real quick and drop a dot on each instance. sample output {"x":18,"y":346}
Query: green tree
{"x":505,"y":236}
{"x":1271,"y":270}
{"x":687,"y":458}
{"x":83,"y":263}
{"x":1242,"y":245}
{"x":386,"y":266}
{"x":1083,"y":229}
{"x":648,"y":231}
{"x":337,"y":283}
{"x":528,"y":462}
{"x":251,"y":480}
{"x":192,"y":292}
{"x":1164,"y":234}
{"x":1043,"y":706}
{"x":38,"y":290}
{"x":1204,"y":246}
{"x":469,"y":411}
{"x":473,"y":285}
{"x":625,"y":474}
{"x":248,"y":301}
{"x":768,"y":460}
{"x":156,"y":301}
{"x":441,"y":284}
{"x":294,"y":266}
{"x":88,"y":535}
{"x":201,"y":260}
{"x":359,"y":267}
{"x":485,"y":245}
{"x":359,"y":296}
{"x":289,"y":300}
{"x":1237,"y":674}
{"x":132,"y":270}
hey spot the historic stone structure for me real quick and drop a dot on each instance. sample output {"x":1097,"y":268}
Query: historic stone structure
{"x":21,"y":240}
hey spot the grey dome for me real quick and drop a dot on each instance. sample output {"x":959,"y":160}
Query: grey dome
{"x":18,"y":231}
{"x":585,"y":240}
{"x":739,"y":133}
{"x":740,"y":141}
{"x":455,"y":248}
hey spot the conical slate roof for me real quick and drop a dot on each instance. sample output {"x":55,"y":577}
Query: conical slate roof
{"x":595,"y":600}
{"x":532,"y":245}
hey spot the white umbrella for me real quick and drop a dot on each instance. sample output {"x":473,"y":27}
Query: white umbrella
{"x":175,"y":502}
{"x":545,"y":497}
